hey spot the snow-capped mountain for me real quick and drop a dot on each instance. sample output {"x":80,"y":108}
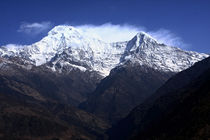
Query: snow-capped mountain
{"x":68,"y":47}
{"x":146,"y":50}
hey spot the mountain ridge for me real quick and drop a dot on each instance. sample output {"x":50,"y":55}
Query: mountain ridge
{"x":69,"y":69}
{"x":179,"y":109}
{"x":86,"y":52}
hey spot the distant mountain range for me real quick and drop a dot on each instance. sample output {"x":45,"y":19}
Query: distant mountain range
{"x":71,"y":85}
{"x":67,"y":47}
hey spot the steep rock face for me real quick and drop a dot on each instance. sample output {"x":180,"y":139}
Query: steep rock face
{"x":125,"y":87}
{"x":178,"y":110}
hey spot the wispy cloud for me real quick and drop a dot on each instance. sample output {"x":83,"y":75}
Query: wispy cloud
{"x":34,"y":28}
{"x":112,"y":33}
{"x":169,"y":38}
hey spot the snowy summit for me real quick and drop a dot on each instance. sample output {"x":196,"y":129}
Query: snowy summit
{"x":66,"y":46}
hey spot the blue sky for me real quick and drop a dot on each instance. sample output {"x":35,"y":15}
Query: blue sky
{"x":185,"y":23}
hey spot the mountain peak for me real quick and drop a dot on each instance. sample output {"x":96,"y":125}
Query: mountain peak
{"x":60,"y":28}
{"x":145,"y":36}
{"x":139,"y":41}
{"x":146,"y":50}
{"x":86,"y":51}
{"x":64,"y":29}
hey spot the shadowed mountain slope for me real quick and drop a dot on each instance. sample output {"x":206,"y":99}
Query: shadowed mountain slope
{"x":32,"y":108}
{"x":122,"y":90}
{"x":178,"y":110}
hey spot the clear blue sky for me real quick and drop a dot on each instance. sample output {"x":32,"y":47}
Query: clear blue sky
{"x":189,"y":19}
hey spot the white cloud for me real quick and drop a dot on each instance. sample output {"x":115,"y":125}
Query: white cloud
{"x":169,"y":38}
{"x":113,"y":33}
{"x":110,"y":32}
{"x":34,"y":28}
{"x":13,"y":46}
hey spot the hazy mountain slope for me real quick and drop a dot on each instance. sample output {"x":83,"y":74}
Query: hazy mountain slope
{"x":178,"y":110}
{"x":71,"y":88}
{"x":26,"y":113}
{"x":32,"y":120}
